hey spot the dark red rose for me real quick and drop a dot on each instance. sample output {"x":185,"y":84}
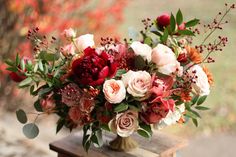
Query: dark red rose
{"x":92,"y":69}
{"x":163,"y":20}
{"x":157,"y":110}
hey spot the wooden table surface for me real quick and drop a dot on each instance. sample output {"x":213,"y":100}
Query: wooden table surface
{"x":160,"y":145}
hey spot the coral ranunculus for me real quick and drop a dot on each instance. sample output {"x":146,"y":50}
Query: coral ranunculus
{"x":92,"y":69}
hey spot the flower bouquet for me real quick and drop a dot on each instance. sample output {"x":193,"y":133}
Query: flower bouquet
{"x":120,"y":86}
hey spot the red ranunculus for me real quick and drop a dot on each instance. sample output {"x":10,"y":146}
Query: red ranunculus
{"x":92,"y":68}
{"x":163,"y":20}
{"x":157,"y":110}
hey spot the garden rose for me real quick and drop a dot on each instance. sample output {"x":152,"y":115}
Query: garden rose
{"x":68,"y":50}
{"x":163,"y":20}
{"x":86,"y":104}
{"x":92,"y":68}
{"x":75,"y":114}
{"x":201,"y":85}
{"x":165,"y":60}
{"x":124,"y":124}
{"x":143,"y":50}
{"x":69,"y":33}
{"x":138,"y":83}
{"x":48,"y":103}
{"x":114,"y":91}
{"x":84,"y":41}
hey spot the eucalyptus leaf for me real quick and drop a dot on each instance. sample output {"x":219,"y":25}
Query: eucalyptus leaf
{"x":38,"y":106}
{"x":31,"y":130}
{"x":21,"y":116}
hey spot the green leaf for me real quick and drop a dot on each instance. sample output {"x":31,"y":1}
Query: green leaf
{"x":25,"y":82}
{"x":21,"y":116}
{"x":194,"y":99}
{"x":36,"y":66}
{"x":120,"y":72}
{"x":48,"y":56}
{"x":148,"y":41}
{"x":22,"y":64}
{"x":31,"y":130}
{"x":13,"y":69}
{"x":195,"y":122}
{"x":17,"y":60}
{"x":99,"y":137}
{"x":165,"y":36}
{"x":38,"y":106}
{"x":143,"y":133}
{"x":191,"y":114}
{"x":192,"y":23}
{"x":121,"y":107}
{"x":147,"y":128}
{"x":60,"y":124}
{"x":40,"y":65}
{"x":105,"y":127}
{"x":201,"y":100}
{"x":202,"y":108}
{"x":172,"y":23}
{"x":186,"y":32}
{"x":9,"y":62}
{"x":44,"y":91}
{"x":179,"y":17}
{"x":139,"y":62}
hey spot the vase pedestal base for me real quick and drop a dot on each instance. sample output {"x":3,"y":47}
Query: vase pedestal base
{"x":123,"y":144}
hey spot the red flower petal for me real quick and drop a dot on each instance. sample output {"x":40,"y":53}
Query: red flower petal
{"x":17,"y":77}
{"x":104,"y":72}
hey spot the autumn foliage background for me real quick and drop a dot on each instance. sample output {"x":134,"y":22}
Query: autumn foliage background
{"x":99,"y":17}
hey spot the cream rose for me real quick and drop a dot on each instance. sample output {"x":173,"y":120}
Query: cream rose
{"x":138,"y":83}
{"x":201,"y":85}
{"x":165,"y":60}
{"x":124,"y":124}
{"x":114,"y":91}
{"x":84,"y":41}
{"x":69,"y":33}
{"x":143,"y":50}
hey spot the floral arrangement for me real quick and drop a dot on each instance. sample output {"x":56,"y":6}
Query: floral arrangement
{"x":123,"y":87}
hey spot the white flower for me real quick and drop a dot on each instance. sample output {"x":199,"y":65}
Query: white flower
{"x":84,"y":41}
{"x":114,"y":91}
{"x":165,"y":60}
{"x":69,"y":33}
{"x":124,"y":124}
{"x":143,"y":50}
{"x":201,"y":85}
{"x":138,"y":83}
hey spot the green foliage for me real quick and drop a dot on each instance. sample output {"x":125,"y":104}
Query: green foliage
{"x":172,"y":23}
{"x":164,"y":37}
{"x":31,"y":130}
{"x":186,"y":32}
{"x":192,"y":23}
{"x":179,"y":17}
{"x":38,"y":106}
{"x":145,"y":131}
{"x":201,"y":100}
{"x":139,"y":62}
{"x":121,"y":107}
{"x":25,"y":83}
{"x":21,"y":116}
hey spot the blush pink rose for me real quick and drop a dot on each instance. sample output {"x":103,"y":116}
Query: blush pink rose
{"x":143,"y":50}
{"x":114,"y":91}
{"x":84,"y":41}
{"x":69,"y":33}
{"x":68,"y":50}
{"x":165,"y":60}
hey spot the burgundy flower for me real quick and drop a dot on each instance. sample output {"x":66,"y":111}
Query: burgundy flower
{"x":92,"y":68}
{"x":17,"y":76}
